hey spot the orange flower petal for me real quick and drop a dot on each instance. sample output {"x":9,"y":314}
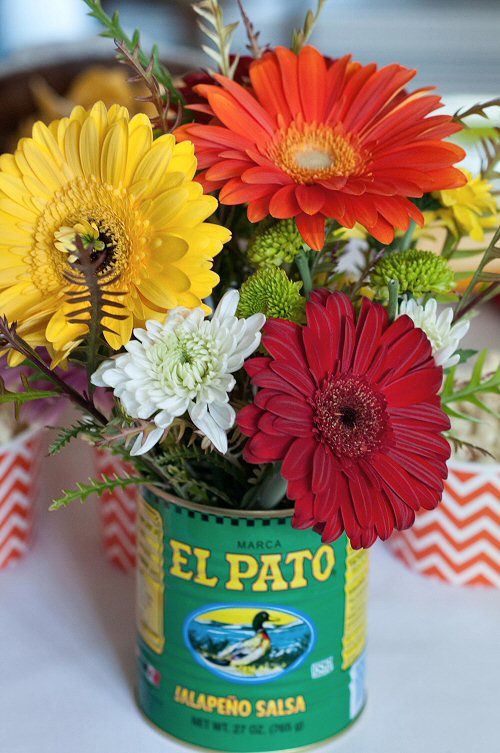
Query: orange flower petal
{"x":363,"y":210}
{"x":382,"y":231}
{"x":315,"y":140}
{"x":265,"y":175}
{"x":335,"y":81}
{"x":310,"y":198}
{"x":312,"y":229}
{"x":235,"y":117}
{"x":312,"y":84}
{"x":236,"y":192}
{"x":265,"y":76}
{"x":283,"y":204}
{"x":248,"y":102}
{"x":288,"y":62}
{"x":222,"y":171}
{"x":258,"y":209}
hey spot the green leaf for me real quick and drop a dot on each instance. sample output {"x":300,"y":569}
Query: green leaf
{"x":220,"y":35}
{"x":301,"y":36}
{"x":478,"y":384}
{"x":95,"y":486}
{"x":114,"y":30}
{"x":470,"y":296}
{"x":68,"y":433}
{"x":25,"y":397}
{"x":465,"y":354}
{"x":473,"y":449}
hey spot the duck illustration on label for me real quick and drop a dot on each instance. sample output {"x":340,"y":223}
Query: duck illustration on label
{"x":248,"y":643}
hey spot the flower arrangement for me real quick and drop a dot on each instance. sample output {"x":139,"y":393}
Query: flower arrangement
{"x":192,"y":267}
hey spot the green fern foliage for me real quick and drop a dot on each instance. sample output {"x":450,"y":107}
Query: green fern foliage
{"x":95,"y":486}
{"x":472,"y":390}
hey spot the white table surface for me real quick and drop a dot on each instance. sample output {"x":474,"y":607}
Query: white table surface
{"x":67,"y":651}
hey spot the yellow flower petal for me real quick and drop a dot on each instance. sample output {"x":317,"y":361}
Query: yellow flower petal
{"x":89,"y":148}
{"x":114,"y":153}
{"x":122,"y":330}
{"x":100,"y":175}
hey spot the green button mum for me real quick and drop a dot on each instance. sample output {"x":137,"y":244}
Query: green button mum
{"x":416,"y":272}
{"x":269,"y":291}
{"x":277,"y":245}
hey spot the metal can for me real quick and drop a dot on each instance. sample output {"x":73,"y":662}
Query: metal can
{"x":251,"y":634}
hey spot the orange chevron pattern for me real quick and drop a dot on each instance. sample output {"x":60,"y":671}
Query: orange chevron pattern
{"x":459,"y":542}
{"x":19,"y":484}
{"x":118,"y":513}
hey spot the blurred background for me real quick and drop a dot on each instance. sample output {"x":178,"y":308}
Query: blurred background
{"x":454,"y":43}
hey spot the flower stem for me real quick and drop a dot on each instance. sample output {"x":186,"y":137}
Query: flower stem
{"x":9,"y":334}
{"x":302,"y":263}
{"x":393,"y":299}
{"x":449,"y":246}
{"x":408,"y":236}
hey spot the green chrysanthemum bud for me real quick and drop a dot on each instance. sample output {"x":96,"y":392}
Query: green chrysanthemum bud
{"x":270,"y":292}
{"x":277,"y":245}
{"x":416,"y":272}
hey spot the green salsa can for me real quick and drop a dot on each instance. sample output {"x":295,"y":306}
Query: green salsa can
{"x":251,"y":634}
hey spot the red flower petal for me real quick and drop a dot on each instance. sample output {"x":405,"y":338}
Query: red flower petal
{"x":373,"y":319}
{"x":300,"y":380}
{"x":415,"y":387}
{"x":267,"y":448}
{"x":387,"y":391}
{"x":323,"y":468}
{"x":283,"y":340}
{"x":297,"y":411}
{"x":254,"y":365}
{"x":298,"y":458}
{"x":321,"y":341}
{"x":248,"y":419}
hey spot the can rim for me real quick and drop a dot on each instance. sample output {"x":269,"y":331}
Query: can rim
{"x":218,"y":511}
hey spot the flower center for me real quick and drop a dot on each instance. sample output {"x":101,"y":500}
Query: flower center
{"x":101,"y":214}
{"x":183,"y":361}
{"x":309,"y":152}
{"x":350,"y":416}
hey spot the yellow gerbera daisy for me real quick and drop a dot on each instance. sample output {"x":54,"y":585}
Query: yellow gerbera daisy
{"x":469,"y":210}
{"x":100,"y":175}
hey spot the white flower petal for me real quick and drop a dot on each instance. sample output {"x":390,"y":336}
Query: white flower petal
{"x":443,"y":336}
{"x":163,"y":419}
{"x":223,"y":414}
{"x":153,"y":437}
{"x":184,"y":363}
{"x":99,"y":377}
{"x":227,"y":306}
{"x":210,"y":428}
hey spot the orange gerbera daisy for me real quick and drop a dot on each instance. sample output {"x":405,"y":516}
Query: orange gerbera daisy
{"x":314,"y":139}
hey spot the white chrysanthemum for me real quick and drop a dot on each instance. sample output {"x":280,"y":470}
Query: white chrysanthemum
{"x":443,"y":335}
{"x":184,"y":365}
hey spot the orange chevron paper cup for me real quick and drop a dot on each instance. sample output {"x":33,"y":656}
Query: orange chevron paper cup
{"x":118,"y":512}
{"x":458,"y":542}
{"x":19,"y":485}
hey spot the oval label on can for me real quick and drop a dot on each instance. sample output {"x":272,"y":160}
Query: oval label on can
{"x":248,"y":643}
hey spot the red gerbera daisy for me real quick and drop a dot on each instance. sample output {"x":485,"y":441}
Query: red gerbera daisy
{"x":353,"y":411}
{"x":316,"y":139}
